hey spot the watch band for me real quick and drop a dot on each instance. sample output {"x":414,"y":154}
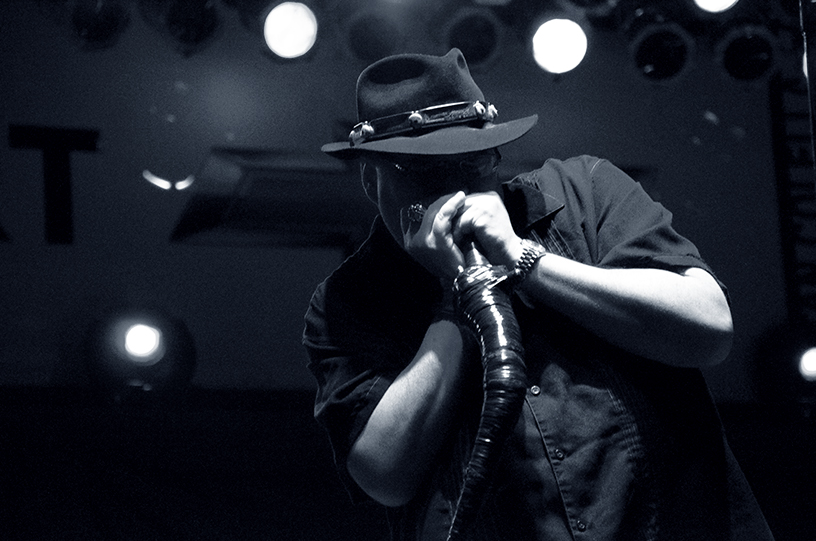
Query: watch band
{"x":531,"y":253}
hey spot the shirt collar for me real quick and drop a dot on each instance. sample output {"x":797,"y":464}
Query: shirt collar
{"x":527,"y":205}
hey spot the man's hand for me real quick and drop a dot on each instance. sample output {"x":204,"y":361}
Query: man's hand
{"x":483,"y":217}
{"x":431,"y":241}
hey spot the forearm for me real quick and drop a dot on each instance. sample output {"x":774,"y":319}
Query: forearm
{"x":397,"y":447}
{"x":678,"y":319}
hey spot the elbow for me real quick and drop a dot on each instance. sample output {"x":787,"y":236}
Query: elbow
{"x":719,"y":336}
{"x":706,"y":347}
{"x":384,"y":483}
{"x":712,"y":333}
{"x":702,"y":344}
{"x":717,"y":346}
{"x":722,"y":338}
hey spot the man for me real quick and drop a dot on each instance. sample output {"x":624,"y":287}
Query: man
{"x":618,"y":437}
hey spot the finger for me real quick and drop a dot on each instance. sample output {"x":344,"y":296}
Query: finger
{"x":451,"y":205}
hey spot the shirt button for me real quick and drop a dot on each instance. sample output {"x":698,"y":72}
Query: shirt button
{"x":581,"y":526}
{"x":536,"y":390}
{"x":559,"y":454}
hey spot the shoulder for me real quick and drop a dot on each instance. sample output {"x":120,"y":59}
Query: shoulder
{"x":579,"y":171}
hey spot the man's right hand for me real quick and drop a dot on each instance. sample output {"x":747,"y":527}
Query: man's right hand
{"x":431,"y":242}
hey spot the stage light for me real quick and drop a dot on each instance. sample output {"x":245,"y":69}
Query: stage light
{"x":374,"y":33}
{"x":595,"y":8}
{"x":192,"y":22}
{"x":786,"y":368}
{"x":143,"y":342}
{"x":165,"y":184}
{"x":99,"y":23}
{"x":290,"y":29}
{"x":747,"y":52}
{"x":477,"y":33}
{"x":189,"y":24}
{"x":661,"y":48}
{"x":559,"y":45}
{"x":807,"y":364}
{"x":715,"y":6}
{"x":140,"y":354}
{"x":662,"y":51}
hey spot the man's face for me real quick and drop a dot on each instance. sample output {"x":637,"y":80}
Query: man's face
{"x":403,"y":180}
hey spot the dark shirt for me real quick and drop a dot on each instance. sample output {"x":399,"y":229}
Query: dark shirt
{"x":608,"y":446}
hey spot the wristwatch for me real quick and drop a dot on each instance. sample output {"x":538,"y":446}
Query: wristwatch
{"x":531,"y":253}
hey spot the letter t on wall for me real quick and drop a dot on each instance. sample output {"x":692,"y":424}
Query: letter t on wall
{"x":57,"y":145}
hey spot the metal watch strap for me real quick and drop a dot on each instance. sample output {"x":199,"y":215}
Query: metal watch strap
{"x":531,"y":253}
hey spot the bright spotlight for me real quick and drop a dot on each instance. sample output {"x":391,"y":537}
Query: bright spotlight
{"x":290,"y":29}
{"x":559,"y":45}
{"x":142,"y":341}
{"x":807,"y":364}
{"x":140,"y":352}
{"x":715,"y":6}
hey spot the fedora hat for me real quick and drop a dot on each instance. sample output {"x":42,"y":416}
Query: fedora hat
{"x":424,"y":104}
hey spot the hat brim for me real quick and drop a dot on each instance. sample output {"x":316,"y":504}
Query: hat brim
{"x":450,"y":140}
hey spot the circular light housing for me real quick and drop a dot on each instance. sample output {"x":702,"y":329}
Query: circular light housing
{"x":137,"y":351}
{"x":559,"y":45}
{"x":290,"y":29}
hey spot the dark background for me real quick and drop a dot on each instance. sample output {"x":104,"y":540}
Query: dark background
{"x":237,"y":254}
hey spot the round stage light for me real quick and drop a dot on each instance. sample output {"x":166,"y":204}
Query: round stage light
{"x":140,"y":352}
{"x":290,"y":29}
{"x":99,"y":23}
{"x":662,"y":51}
{"x":477,"y":33}
{"x":142,"y":341}
{"x":715,"y":6}
{"x":559,"y":45}
{"x":373,"y":34}
{"x":786,"y":368}
{"x":747,"y":53}
{"x":807,"y":364}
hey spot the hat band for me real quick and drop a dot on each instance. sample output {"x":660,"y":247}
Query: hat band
{"x":437,"y":116}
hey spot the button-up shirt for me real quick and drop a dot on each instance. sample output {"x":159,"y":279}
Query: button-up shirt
{"x":608,"y":446}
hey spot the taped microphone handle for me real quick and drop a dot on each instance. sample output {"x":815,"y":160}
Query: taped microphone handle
{"x":473,"y":257}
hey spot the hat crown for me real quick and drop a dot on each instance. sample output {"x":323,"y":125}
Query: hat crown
{"x":410,"y":82}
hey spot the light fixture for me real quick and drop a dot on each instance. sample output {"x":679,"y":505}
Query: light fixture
{"x":661,"y":48}
{"x":746,"y":52}
{"x":373,"y":32}
{"x":595,"y":8}
{"x":165,"y":184}
{"x":136,"y":354}
{"x":559,"y":45}
{"x":715,"y":6}
{"x":290,"y":29}
{"x":266,"y":198}
{"x":477,"y":32}
{"x":190,"y":25}
{"x":661,"y":52}
{"x":807,"y":364}
{"x":99,"y":23}
{"x":786,"y":368}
